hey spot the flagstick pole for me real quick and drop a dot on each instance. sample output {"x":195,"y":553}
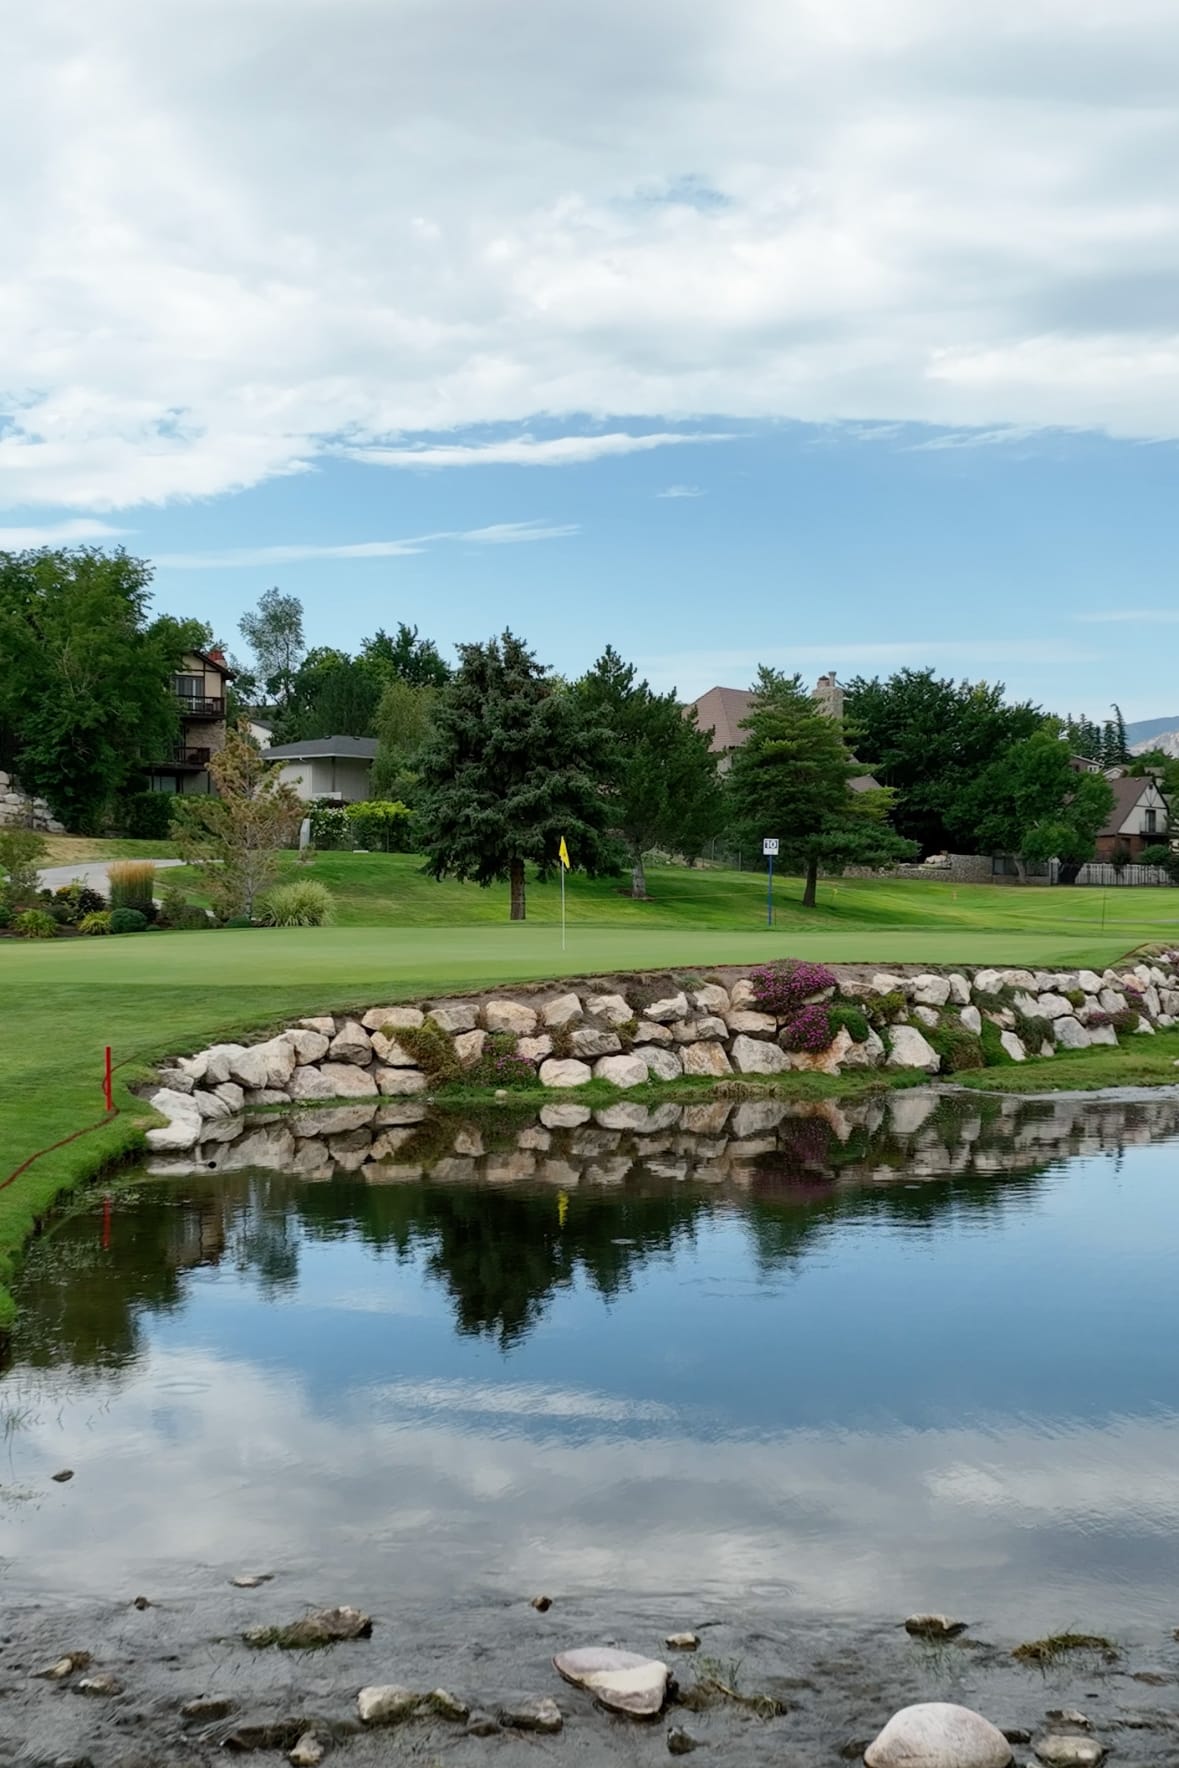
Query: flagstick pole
{"x":562,"y":907}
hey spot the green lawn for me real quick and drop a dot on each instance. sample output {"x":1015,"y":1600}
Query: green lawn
{"x":401,"y":936}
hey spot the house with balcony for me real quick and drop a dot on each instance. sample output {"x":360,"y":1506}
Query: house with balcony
{"x":200,"y":687}
{"x":1141,"y":818}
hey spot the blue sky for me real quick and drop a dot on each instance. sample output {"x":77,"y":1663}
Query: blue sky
{"x":826,"y":335}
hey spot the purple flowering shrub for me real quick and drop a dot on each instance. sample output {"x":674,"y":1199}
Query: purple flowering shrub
{"x":809,"y":1031}
{"x":500,"y":1066}
{"x":781,"y":989}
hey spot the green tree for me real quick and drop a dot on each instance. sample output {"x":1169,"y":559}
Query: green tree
{"x":791,"y":779}
{"x":1033,"y":804}
{"x":406,"y":657}
{"x":234,"y":838}
{"x":85,"y":688}
{"x":274,"y":632}
{"x":513,"y":765}
{"x":929,"y":739}
{"x":404,"y":723}
{"x":661,"y":774}
{"x":331,"y":695}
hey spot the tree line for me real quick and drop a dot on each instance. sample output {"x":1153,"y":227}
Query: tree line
{"x":498,"y":757}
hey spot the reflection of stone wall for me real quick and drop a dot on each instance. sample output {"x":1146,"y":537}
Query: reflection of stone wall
{"x":659,"y":1031}
{"x":751,"y":1144}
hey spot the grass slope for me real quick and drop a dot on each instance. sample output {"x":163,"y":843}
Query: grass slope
{"x":402,"y":936}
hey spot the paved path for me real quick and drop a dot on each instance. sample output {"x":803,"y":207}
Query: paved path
{"x":94,"y":872}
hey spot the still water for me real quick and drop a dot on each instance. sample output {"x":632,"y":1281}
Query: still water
{"x":858,"y":1361}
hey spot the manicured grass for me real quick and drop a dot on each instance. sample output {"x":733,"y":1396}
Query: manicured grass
{"x":1141,"y":1061}
{"x":69,"y":850}
{"x":160,"y":993}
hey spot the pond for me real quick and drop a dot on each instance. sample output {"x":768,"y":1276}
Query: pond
{"x":850,"y":1360}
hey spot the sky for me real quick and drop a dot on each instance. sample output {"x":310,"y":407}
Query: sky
{"x":823,"y":333}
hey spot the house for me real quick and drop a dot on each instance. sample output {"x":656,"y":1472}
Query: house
{"x":1141,"y":817}
{"x":200,"y":687}
{"x":327,"y":767}
{"x":724,"y":710}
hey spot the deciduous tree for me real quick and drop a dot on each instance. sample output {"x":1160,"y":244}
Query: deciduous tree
{"x":234,"y":839}
{"x":1035,"y":806}
{"x":274,"y":632}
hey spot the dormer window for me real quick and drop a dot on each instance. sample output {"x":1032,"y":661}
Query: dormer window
{"x":1152,"y":822}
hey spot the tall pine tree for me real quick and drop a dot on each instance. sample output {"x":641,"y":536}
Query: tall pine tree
{"x":513,"y":765}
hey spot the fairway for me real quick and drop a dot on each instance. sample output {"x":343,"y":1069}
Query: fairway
{"x":164,"y":992}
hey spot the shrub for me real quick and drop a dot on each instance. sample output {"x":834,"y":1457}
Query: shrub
{"x":886,"y":1009}
{"x":1124,"y":1020}
{"x":133,"y":884}
{"x":433,"y":1051}
{"x":1033,"y":1030}
{"x":54,"y":907}
{"x":782,"y":988}
{"x":147,"y":816}
{"x":852,"y":1019}
{"x":329,"y":825}
{"x":192,"y":918}
{"x":994,"y":1055}
{"x":98,"y":921}
{"x":172,"y":905}
{"x":376,"y":823}
{"x":958,"y":1048}
{"x":1158,"y":855}
{"x":303,"y":903}
{"x":809,"y":1030}
{"x":125,"y":920}
{"x":1075,"y":997}
{"x":499,"y":1065}
{"x":238,"y":921}
{"x":21,"y":852}
{"x":35,"y":924}
{"x":78,"y":901}
{"x":5,"y":911}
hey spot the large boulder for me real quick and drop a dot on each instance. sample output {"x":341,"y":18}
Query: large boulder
{"x":752,"y":1055}
{"x":333,"y":1080}
{"x":393,"y":1019}
{"x":469,"y":1047}
{"x":1099,"y":1034}
{"x":399,"y":1083}
{"x":622,"y":1071}
{"x":1013,"y":1045}
{"x":615,"y":1009}
{"x":972,"y":1020}
{"x":959,"y":988}
{"x":661,"y":1064}
{"x":938,"y":1735}
{"x":694,"y":1031}
{"x":593,"y":1040}
{"x":707,"y":1058}
{"x":745,"y":1022}
{"x":218,"y":1064}
{"x":560,"y":1014}
{"x":554,"y":1073}
{"x":533,"y":1049}
{"x":712,"y":998}
{"x":1070,"y":1034}
{"x":309,"y":1046}
{"x":351,"y":1044}
{"x":184,"y":1122}
{"x":665,"y":1011}
{"x":388,"y":1048}
{"x":455,"y":1016}
{"x":828,"y":1061}
{"x":510,"y":1016}
{"x":263,"y":1065}
{"x":910,"y":1050}
{"x":931,"y":991}
{"x":647,"y":1033}
{"x":620,"y":1680}
{"x":1053,"y":1006}
{"x":869,"y":1054}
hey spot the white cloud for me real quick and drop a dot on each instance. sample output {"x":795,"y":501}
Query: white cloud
{"x":1143,"y":616}
{"x":71,"y":533}
{"x":218,"y":269}
{"x":681,"y":491}
{"x":527,"y":451}
{"x":498,"y":534}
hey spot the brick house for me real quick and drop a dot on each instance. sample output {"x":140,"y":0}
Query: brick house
{"x":199,"y":686}
{"x":1141,"y":817}
{"x":723,"y":710}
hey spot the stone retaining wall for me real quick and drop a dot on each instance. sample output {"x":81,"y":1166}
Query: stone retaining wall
{"x":705,"y":1029}
{"x":15,"y":810}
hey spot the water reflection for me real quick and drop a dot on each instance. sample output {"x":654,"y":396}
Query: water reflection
{"x":871,"y":1357}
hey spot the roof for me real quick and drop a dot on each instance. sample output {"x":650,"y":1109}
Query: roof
{"x":324,"y":748}
{"x":722,"y":710}
{"x":216,"y":660}
{"x":1126,"y":794}
{"x":863,"y":783}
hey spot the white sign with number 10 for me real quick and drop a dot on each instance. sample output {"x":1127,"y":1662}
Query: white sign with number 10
{"x":769,"y":848}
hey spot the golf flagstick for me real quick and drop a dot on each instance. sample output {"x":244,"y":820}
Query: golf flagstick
{"x":563,"y":856}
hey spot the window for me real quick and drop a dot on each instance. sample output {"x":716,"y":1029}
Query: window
{"x":1152,"y":822}
{"x":189,"y":687}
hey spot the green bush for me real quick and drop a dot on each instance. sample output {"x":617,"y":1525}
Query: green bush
{"x":78,"y":901}
{"x":380,"y":825}
{"x":330,"y":826}
{"x":992,"y":1046}
{"x":172,"y":905}
{"x":433,"y":1051}
{"x":1124,"y":1020}
{"x":301,"y":904}
{"x":1032,"y":1030}
{"x":35,"y":924}
{"x":98,"y":921}
{"x":128,"y":921}
{"x":886,"y":1009}
{"x":192,"y":918}
{"x":21,"y":853}
{"x":147,"y":816}
{"x":133,"y":886}
{"x":238,"y":921}
{"x":1075,"y":997}
{"x":499,"y":1065}
{"x":958,"y":1048}
{"x":1158,"y":855}
{"x":853,"y":1020}
{"x":5,"y":911}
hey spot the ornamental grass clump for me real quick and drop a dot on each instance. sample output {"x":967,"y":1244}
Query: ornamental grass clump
{"x":132,"y":886}
{"x":305,"y":903}
{"x":809,"y":1031}
{"x":781,"y":989}
{"x":35,"y":924}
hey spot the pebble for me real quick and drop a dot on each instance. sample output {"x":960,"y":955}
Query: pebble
{"x":65,"y":1474}
{"x":620,"y":1680}
{"x":483,"y":1725}
{"x":1061,"y":1751}
{"x":682,"y":1642}
{"x":934,"y":1627}
{"x":1017,"y":1734}
{"x":142,"y":1602}
{"x":251,"y":1580}
{"x":537,"y":1714}
{"x":1069,"y":1716}
{"x":207,"y":1708}
{"x":681,"y":1742}
{"x":308,"y":1752}
{"x":386,"y":1705}
{"x":64,"y":1666}
{"x":542,"y":1604}
{"x":100,"y":1687}
{"x":448,"y":1706}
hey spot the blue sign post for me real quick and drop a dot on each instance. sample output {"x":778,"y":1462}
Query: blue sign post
{"x":769,"y":848}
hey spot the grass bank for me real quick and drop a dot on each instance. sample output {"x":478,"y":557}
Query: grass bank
{"x":403,"y":937}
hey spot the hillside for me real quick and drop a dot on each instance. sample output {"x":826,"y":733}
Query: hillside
{"x":1143,"y":732}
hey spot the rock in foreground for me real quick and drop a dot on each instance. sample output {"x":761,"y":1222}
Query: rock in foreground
{"x":938,"y":1735}
{"x":620,"y":1680}
{"x":323,"y":1626}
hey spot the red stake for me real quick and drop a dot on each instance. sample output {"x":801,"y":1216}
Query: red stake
{"x":106,"y":1081}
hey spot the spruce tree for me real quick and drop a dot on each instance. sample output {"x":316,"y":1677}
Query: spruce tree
{"x":513,"y":765}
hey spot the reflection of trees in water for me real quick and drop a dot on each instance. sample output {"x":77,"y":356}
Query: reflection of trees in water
{"x":502,"y":1251}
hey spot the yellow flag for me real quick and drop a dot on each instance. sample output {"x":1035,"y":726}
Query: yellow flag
{"x":563,"y":854}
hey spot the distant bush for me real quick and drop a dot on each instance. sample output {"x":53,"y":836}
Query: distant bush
{"x":1158,"y":855}
{"x":853,"y":1020}
{"x":809,"y":1030}
{"x":147,"y":816}
{"x":132,"y":886}
{"x":781,"y":988}
{"x":238,"y":921}
{"x":433,"y":1051}
{"x":35,"y":924}
{"x":192,"y":918}
{"x":303,"y":903}
{"x":1124,"y":1020}
{"x":78,"y":901}
{"x":958,"y":1048}
{"x":124,"y":920}
{"x":21,"y":853}
{"x":172,"y":905}
{"x":381,"y":825}
{"x":330,"y":826}
{"x":98,"y":921}
{"x":5,"y":911}
{"x":499,"y":1065}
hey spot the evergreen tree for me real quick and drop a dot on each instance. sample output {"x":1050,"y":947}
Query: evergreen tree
{"x":663,"y":787}
{"x":791,"y":778}
{"x":514,"y":765}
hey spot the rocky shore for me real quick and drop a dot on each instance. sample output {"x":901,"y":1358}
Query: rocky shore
{"x":168,"y":1679}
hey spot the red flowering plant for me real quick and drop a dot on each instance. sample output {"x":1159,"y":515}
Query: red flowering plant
{"x":781,"y":989}
{"x":809,"y":1031}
